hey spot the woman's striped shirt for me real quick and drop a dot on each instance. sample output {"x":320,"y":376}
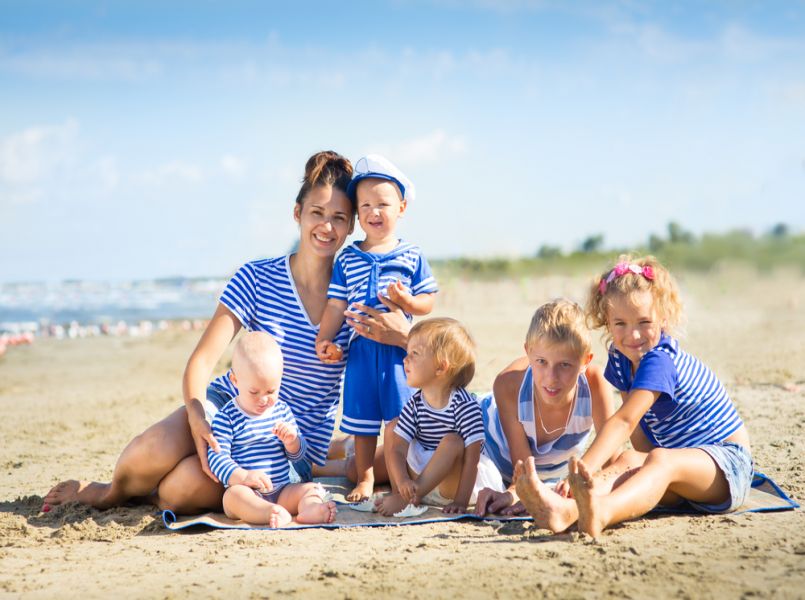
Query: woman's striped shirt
{"x":550,"y":457}
{"x":248,"y":442}
{"x":693,"y":408}
{"x":263,"y":296}
{"x":462,"y":415}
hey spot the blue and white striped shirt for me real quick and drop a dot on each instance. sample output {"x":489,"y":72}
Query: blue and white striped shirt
{"x":358,"y":276}
{"x":249,"y":443}
{"x":263,"y":296}
{"x":550,"y":457}
{"x":693,"y":408}
{"x":462,"y":415}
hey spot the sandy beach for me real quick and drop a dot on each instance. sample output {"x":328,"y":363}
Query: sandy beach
{"x":71,"y":405}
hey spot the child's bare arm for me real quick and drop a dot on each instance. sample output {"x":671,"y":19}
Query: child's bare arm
{"x":469,"y":471}
{"x":257,"y":480}
{"x":398,"y":468}
{"x":418,"y":305}
{"x":618,"y":428}
{"x":289,"y":437}
{"x":601,"y":400}
{"x":331,"y":322}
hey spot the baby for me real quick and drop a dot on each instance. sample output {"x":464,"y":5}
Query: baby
{"x":257,"y":437}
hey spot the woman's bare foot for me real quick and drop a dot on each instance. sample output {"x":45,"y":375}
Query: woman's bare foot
{"x":90,"y":493}
{"x":317,"y":513}
{"x":390,"y":504}
{"x":591,"y":518}
{"x":363,"y":491}
{"x":277,"y":516}
{"x":548,"y":509}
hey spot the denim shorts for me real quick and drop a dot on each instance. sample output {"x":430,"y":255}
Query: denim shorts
{"x":736,"y":463}
{"x":301,"y":470}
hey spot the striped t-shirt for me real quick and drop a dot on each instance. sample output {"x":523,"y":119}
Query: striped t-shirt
{"x":693,"y":408}
{"x":551,"y":457}
{"x":263,"y":296}
{"x":462,"y":415}
{"x":248,"y":442}
{"x":358,"y":276}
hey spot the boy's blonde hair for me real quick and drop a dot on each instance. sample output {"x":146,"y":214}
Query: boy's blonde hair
{"x":632,"y":274}
{"x":560,"y":321}
{"x":450,"y":343}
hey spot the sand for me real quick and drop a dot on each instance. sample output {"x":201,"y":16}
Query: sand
{"x":69,"y":407}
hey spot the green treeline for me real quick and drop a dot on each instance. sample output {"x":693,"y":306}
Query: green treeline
{"x":678,"y":249}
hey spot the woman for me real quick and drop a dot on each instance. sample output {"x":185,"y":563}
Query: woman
{"x":167,"y":464}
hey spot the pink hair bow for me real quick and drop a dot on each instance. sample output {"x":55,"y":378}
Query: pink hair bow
{"x":622,"y":269}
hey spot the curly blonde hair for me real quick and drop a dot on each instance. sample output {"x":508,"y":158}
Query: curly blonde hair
{"x":622,"y":280}
{"x":560,"y":321}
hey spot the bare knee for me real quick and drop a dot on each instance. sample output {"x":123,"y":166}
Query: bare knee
{"x":187,"y":489}
{"x":630,"y":459}
{"x":231,"y":497}
{"x":453,"y":443}
{"x":163,"y":445}
{"x":660,"y":457}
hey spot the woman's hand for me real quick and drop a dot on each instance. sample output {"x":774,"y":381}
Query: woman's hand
{"x":202,"y":439}
{"x":390,"y":328}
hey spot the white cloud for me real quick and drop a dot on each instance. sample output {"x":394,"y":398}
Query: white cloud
{"x":429,"y":148}
{"x":233,"y":166}
{"x":30,"y":156}
{"x":106,"y":171}
{"x":176,"y":170}
{"x":97,"y":62}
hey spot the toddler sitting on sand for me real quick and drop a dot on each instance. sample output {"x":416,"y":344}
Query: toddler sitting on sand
{"x":435,"y":455}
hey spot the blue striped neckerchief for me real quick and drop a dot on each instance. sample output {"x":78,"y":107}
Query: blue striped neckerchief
{"x":377,"y":261}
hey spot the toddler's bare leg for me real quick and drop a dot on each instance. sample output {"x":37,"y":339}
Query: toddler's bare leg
{"x":139,"y":469}
{"x":443,"y":469}
{"x":365,"y":446}
{"x":240,"y":502}
{"x":339,"y":457}
{"x":307,"y":501}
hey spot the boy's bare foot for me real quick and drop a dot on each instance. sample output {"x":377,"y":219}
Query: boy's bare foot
{"x":363,"y":491}
{"x":317,"y":513}
{"x":591,"y":517}
{"x":390,"y":504}
{"x":277,"y":516}
{"x":548,"y":509}
{"x":90,"y":493}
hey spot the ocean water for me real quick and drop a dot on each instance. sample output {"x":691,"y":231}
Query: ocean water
{"x":97,"y":303}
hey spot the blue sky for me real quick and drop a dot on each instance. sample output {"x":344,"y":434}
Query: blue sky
{"x":146,"y":139}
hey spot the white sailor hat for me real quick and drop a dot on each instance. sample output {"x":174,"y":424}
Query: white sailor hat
{"x":379,"y":167}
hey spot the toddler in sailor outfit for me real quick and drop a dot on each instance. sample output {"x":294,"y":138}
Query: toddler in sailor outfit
{"x":382,"y":264}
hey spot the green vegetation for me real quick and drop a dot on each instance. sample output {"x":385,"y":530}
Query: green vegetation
{"x":678,"y":249}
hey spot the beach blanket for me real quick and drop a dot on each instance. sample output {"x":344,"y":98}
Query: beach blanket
{"x":765,"y":496}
